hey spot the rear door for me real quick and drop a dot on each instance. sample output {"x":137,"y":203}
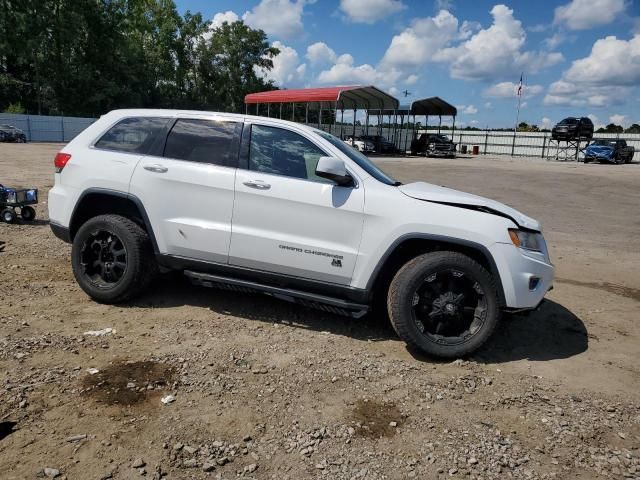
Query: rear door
{"x":286,"y":219}
{"x":187,"y":187}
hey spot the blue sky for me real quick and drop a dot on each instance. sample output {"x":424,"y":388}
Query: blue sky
{"x":579,"y":57}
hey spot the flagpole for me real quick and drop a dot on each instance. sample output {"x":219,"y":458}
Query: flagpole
{"x":519,"y":100}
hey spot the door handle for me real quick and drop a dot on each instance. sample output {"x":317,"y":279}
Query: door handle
{"x":259,"y":184}
{"x":156,"y":168}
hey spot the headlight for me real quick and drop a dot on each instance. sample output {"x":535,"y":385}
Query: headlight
{"x":527,"y":240}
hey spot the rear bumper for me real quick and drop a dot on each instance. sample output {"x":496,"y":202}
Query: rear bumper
{"x":61,"y":232}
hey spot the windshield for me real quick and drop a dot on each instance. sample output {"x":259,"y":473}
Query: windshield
{"x":569,"y":121}
{"x":440,"y":138}
{"x":361,"y":160}
{"x":604,"y":143}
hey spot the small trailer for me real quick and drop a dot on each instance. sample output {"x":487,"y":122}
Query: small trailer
{"x":17,"y":198}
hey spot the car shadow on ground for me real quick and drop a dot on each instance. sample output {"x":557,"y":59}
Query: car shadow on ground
{"x":550,"y":333}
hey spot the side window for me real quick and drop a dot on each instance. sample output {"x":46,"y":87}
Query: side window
{"x":133,"y":135}
{"x":204,"y":141}
{"x":282,"y":152}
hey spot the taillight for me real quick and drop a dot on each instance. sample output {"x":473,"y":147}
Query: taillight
{"x":61,"y":160}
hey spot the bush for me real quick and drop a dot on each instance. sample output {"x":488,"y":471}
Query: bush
{"x":14,"y":108}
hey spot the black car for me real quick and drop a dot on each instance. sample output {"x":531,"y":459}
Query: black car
{"x":382,"y":145}
{"x":573,"y":128}
{"x":9,"y":133}
{"x":433,"y":145}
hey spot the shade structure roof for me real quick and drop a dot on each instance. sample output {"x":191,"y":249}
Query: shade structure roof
{"x":433,"y":106}
{"x":426,"y":106}
{"x":347,"y":97}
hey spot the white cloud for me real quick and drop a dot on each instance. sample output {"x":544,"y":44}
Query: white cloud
{"x":221,"y":17}
{"x":287,"y":69}
{"x":546,"y":123}
{"x":607,"y":75}
{"x":538,"y":28}
{"x":612,"y":61}
{"x":622,"y":120}
{"x":488,"y":105}
{"x":411,"y":79}
{"x":467,"y":109}
{"x":320,"y":53}
{"x":473,"y":122}
{"x":345,"y":72}
{"x":554,"y":40}
{"x":585,"y":14}
{"x":420,"y":42}
{"x":370,"y":11}
{"x":279,"y":18}
{"x":444,"y":4}
{"x":510,"y":90}
{"x":496,"y":51}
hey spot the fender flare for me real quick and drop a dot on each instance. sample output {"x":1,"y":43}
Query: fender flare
{"x":123,"y":195}
{"x":493,"y":267}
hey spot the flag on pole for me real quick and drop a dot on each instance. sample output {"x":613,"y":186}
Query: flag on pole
{"x":520,"y":86}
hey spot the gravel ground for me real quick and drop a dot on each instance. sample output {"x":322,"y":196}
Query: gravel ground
{"x":199,"y":383}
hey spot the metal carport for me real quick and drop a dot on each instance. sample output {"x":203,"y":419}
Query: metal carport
{"x":332,"y":99}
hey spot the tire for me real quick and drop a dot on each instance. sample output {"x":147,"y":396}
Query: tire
{"x":112,"y":259}
{"x":413,"y":297}
{"x":28,"y":213}
{"x":8,"y":215}
{"x":618,"y":160}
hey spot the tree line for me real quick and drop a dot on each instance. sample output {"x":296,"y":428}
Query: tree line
{"x":86,"y":57}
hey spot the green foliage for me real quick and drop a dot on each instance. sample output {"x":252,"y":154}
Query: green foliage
{"x":635,"y":128}
{"x":525,"y":127}
{"x":611,"y":128}
{"x":14,"y":108}
{"x":86,"y":57}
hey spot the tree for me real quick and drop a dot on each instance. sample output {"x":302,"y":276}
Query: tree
{"x":634,"y":128}
{"x":611,"y":128}
{"x":85,"y":57}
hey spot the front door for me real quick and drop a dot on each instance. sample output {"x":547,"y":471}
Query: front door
{"x":288,"y":220}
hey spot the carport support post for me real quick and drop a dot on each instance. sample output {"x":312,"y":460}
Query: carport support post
{"x":293,"y":112}
{"x":544,"y":144}
{"x":268,"y":110}
{"x":319,"y":114}
{"x":353,"y":137}
{"x":486,"y":139}
{"x":453,"y":130}
{"x":341,"y":121}
{"x":257,"y":107}
{"x":513,"y":144}
{"x":306,"y":113}
{"x":280,"y":111}
{"x":246,"y":109}
{"x":439,"y":124}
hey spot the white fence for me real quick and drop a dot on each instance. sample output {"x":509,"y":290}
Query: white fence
{"x":529,"y":144}
{"x":40,"y":128}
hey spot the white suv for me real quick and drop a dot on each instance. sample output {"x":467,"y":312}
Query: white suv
{"x":260,"y":204}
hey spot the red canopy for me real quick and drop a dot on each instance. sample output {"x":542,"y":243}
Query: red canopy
{"x":347,"y":97}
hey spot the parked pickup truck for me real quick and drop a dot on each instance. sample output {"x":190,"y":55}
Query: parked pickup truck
{"x":264,"y":205}
{"x":609,"y":150}
{"x":433,"y":145}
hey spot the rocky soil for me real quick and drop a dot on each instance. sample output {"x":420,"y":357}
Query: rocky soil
{"x":188,"y":382}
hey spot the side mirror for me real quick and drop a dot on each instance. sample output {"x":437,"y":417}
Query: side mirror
{"x":333,"y":169}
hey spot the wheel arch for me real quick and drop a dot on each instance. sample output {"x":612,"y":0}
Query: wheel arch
{"x":99,"y":201}
{"x":411,"y":245}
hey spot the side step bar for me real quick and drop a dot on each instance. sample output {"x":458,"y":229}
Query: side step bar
{"x":320,"y":302}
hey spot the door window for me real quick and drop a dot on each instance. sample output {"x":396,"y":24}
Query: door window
{"x":133,"y":135}
{"x":204,"y":141}
{"x":282,"y":152}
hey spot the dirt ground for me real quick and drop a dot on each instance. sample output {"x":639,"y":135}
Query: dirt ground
{"x":268,"y":390}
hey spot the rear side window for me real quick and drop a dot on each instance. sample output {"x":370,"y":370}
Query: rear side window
{"x":204,"y":141}
{"x":133,"y":135}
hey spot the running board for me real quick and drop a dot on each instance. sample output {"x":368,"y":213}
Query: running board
{"x":320,"y":302}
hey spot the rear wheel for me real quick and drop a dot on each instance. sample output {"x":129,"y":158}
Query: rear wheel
{"x":28,"y":213}
{"x":8,"y":215}
{"x":443,"y":303}
{"x":112,"y":259}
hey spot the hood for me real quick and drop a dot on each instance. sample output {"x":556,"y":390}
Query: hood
{"x":448,"y":196}
{"x":601,"y":149}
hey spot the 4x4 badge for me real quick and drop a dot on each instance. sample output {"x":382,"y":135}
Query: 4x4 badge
{"x":336,"y":263}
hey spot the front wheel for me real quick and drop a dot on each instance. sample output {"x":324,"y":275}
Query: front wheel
{"x":8,"y":215}
{"x":112,"y":258}
{"x":443,"y":303}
